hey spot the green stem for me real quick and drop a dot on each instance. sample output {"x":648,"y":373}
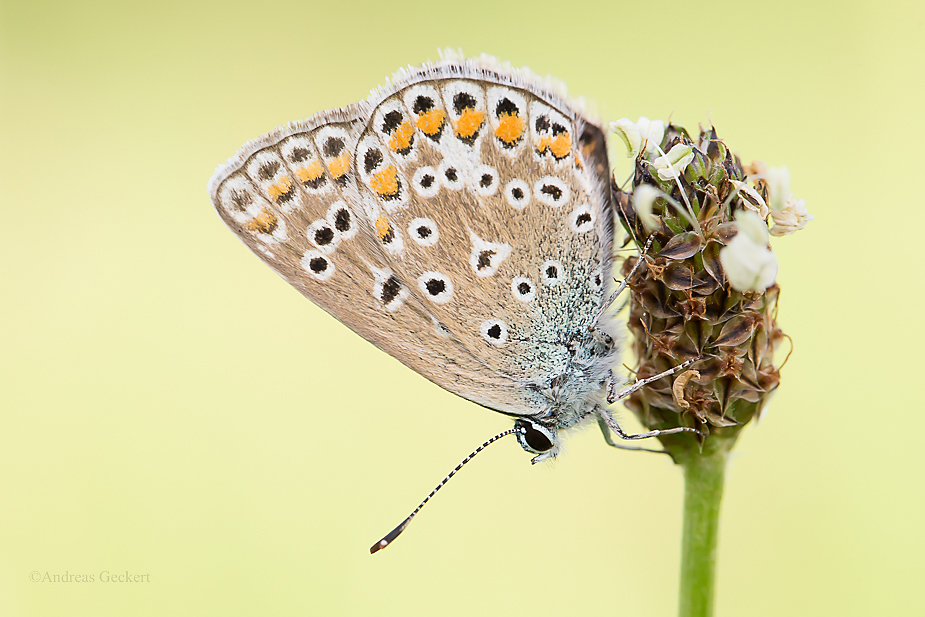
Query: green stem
{"x":703,"y":492}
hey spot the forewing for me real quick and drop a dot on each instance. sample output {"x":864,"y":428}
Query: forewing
{"x":503,"y":198}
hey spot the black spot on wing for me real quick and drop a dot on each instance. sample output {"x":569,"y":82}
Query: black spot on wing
{"x":266,"y":172}
{"x":342,"y":220}
{"x":390,"y":289}
{"x":333,"y":146}
{"x":391,"y":121}
{"x":463,"y":101}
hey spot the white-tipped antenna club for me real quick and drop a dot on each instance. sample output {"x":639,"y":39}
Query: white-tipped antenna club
{"x":390,"y":537}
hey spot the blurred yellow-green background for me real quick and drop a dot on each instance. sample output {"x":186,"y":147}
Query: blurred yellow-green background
{"x":170,"y":407}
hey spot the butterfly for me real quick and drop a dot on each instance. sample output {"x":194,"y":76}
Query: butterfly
{"x":460,"y":219}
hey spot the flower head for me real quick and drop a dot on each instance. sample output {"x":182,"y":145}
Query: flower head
{"x":705,"y":291}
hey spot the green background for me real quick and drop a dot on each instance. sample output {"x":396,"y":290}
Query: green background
{"x":170,"y":407}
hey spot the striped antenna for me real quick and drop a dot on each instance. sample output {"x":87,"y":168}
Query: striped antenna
{"x":390,"y":537}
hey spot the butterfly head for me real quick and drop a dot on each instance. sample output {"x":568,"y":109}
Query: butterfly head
{"x":536,"y":438}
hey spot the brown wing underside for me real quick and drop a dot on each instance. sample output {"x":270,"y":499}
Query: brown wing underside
{"x":334,"y":206}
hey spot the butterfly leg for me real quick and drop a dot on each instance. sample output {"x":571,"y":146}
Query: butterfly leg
{"x":613,"y":395}
{"x":611,"y":422}
{"x":622,"y":285}
{"x":605,"y":430}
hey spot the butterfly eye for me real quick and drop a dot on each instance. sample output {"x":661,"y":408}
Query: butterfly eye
{"x":534,"y":437}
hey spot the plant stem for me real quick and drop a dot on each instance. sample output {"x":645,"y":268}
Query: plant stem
{"x":703,"y":492}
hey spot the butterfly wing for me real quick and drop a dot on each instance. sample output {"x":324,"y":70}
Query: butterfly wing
{"x":452,"y":220}
{"x":291,"y":197}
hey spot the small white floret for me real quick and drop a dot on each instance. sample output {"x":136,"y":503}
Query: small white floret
{"x":644,"y":134}
{"x":672,"y":164}
{"x":792,"y":218}
{"x":778,"y":180}
{"x":749,"y":263}
{"x":644,"y":197}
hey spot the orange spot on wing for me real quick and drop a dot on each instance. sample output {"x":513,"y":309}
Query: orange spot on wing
{"x":383,"y":227}
{"x":469,"y":123}
{"x":431,"y":121}
{"x":401,"y":138}
{"x":385,"y":182}
{"x":280,"y":188}
{"x":263,"y":223}
{"x":339,"y":166}
{"x":560,"y":145}
{"x":310,"y":172}
{"x":510,"y":128}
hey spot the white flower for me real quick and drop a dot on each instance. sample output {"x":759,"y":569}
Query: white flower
{"x":778,"y":179}
{"x":747,"y":260}
{"x":653,"y":131}
{"x":629,"y":133}
{"x":793,"y":217}
{"x":673,"y":163}
{"x":752,"y":200}
{"x":753,"y":226}
{"x":644,"y":196}
{"x":636,"y":135}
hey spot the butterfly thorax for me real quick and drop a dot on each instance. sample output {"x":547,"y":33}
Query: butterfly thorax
{"x":573,"y":395}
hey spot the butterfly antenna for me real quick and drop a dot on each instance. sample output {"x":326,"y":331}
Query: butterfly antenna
{"x":390,"y":537}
